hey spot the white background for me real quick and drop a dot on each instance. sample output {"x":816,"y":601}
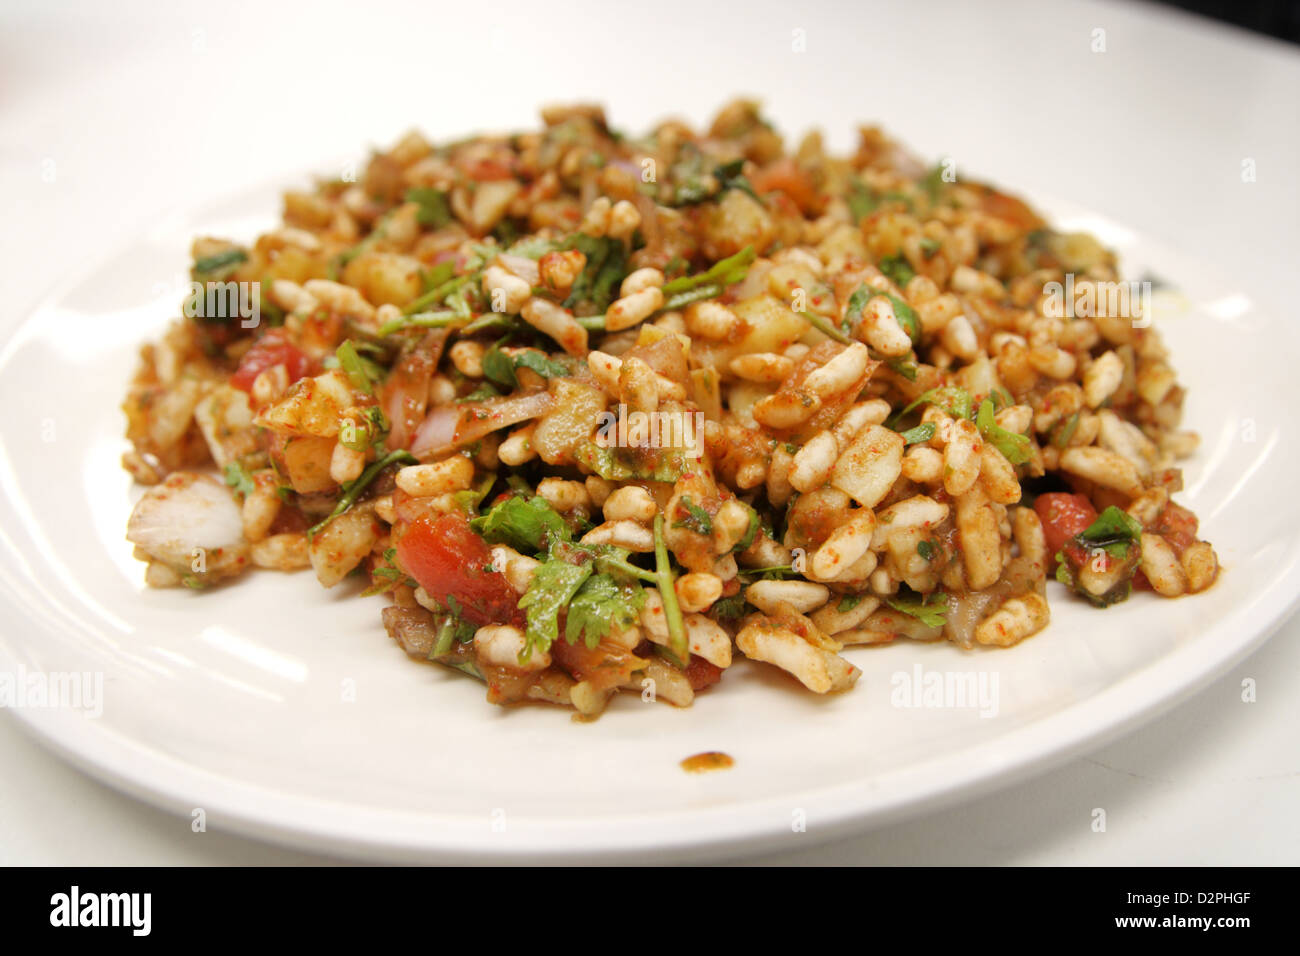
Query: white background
{"x":113,"y":118}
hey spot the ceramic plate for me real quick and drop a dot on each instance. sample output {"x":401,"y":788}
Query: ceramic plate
{"x":284,"y":711}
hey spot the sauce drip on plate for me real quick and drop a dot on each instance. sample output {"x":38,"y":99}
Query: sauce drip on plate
{"x":709,"y":760}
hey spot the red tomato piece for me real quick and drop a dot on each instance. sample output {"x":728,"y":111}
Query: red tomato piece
{"x":1012,"y":210}
{"x":785,"y":176}
{"x":1063,"y":516}
{"x":604,"y":666}
{"x":450,"y":561}
{"x":701,"y":673}
{"x":270,"y":350}
{"x":486,"y":169}
{"x":1178,"y":526}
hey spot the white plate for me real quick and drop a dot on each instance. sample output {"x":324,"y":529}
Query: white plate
{"x":284,"y":711}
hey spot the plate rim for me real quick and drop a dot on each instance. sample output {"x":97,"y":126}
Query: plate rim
{"x":320,"y":825}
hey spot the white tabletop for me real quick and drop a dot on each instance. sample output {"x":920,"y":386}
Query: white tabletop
{"x":110,"y":120}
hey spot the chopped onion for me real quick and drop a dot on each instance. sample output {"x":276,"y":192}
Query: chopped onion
{"x":449,"y":427}
{"x":525,"y":268}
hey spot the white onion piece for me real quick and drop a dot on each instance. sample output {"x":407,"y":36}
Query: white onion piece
{"x":448,"y":427}
{"x":525,"y":268}
{"x":405,"y":395}
{"x":438,"y":430}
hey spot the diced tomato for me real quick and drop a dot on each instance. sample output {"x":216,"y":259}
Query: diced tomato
{"x":486,"y":169}
{"x":270,"y":350}
{"x":604,"y":666}
{"x":785,"y":176}
{"x":1078,"y":555}
{"x":450,"y":561}
{"x":702,"y":673}
{"x":1178,"y":526}
{"x":1012,"y":210}
{"x":1063,"y":516}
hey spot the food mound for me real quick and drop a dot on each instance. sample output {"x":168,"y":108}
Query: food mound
{"x":596,"y":411}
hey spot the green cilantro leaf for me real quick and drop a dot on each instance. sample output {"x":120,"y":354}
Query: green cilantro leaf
{"x":452,"y":629}
{"x":858,"y":301}
{"x":218,"y":266}
{"x":723,"y":273}
{"x":953,"y":400}
{"x":606,"y":267}
{"x":678,"y":643}
{"x":1063,"y":432}
{"x":439,"y":274}
{"x":359,"y":436}
{"x":353,"y":489}
{"x":526,"y":524}
{"x":1014,"y":446}
{"x":862,"y":200}
{"x":931,"y":611}
{"x":1114,"y":531}
{"x":617,"y":464}
{"x":897,"y":269}
{"x":922,"y":432}
{"x":909,"y":370}
{"x":751,"y":533}
{"x":729,"y":608}
{"x":934,"y":182}
{"x":361,"y":372}
{"x":697,"y":520}
{"x":776,"y":572}
{"x":600,"y":603}
{"x":729,"y":176}
{"x":906,"y":316}
{"x":470,"y":499}
{"x":551,"y":589}
{"x":434,"y":211}
{"x":538,"y":361}
{"x":237,"y":477}
{"x":827,"y":328}
{"x":500,"y":366}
